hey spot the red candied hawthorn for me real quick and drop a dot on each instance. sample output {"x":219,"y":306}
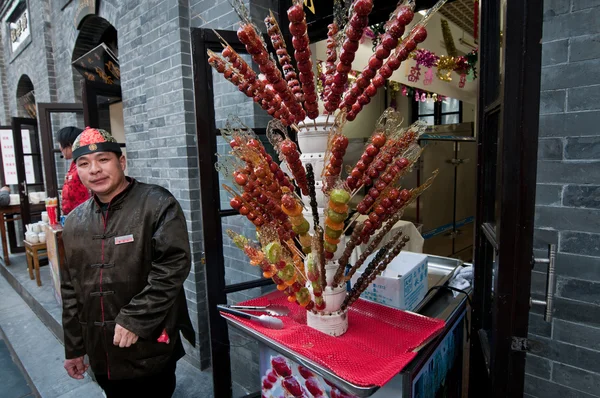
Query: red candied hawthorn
{"x":305,"y":372}
{"x":281,"y":367}
{"x":292,"y":386}
{"x":313,"y":386}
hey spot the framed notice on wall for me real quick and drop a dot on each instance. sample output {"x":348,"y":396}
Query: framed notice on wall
{"x":9,"y":159}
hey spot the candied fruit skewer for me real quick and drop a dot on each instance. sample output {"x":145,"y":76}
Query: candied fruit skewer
{"x":394,"y":30}
{"x":313,"y":275}
{"x":256,"y":47}
{"x":269,"y":100}
{"x":379,"y":268}
{"x":333,"y":166}
{"x":310,"y":179}
{"x":372,"y":149}
{"x":302,"y":54}
{"x":353,"y":32}
{"x":300,"y":226}
{"x":332,"y":31}
{"x":334,"y":220}
{"x":283,"y":57}
{"x":343,"y":261}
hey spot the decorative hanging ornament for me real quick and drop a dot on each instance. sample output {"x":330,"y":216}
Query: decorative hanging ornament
{"x":472,"y":61}
{"x":435,"y":97}
{"x":463,"y":80}
{"x":416,"y":96}
{"x":470,"y":75}
{"x":415,"y":74}
{"x":448,"y":39}
{"x":429,"y":99}
{"x":423,"y":97}
{"x":404,"y":91}
{"x":428,"y":77}
{"x":425,"y":58}
{"x":462,"y":65}
{"x":445,"y":65}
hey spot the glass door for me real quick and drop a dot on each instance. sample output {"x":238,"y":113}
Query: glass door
{"x":29,"y":171}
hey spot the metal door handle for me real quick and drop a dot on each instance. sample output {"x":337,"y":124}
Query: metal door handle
{"x":24,"y":186}
{"x":549,"y":303}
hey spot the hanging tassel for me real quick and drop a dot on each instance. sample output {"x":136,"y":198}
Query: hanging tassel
{"x":448,"y":39}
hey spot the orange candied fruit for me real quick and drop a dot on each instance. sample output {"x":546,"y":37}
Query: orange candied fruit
{"x":336,"y":226}
{"x":338,"y":207}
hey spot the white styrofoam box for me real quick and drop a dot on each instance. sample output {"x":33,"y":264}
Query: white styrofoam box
{"x":317,"y":160}
{"x":402,"y":285}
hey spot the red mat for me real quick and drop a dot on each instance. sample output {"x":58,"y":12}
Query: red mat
{"x":377,"y":346}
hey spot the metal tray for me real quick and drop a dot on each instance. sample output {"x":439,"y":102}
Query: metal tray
{"x":440,"y":271}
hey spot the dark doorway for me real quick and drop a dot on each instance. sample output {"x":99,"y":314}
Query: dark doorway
{"x":509,"y":96}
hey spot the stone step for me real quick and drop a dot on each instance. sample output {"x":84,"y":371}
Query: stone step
{"x":39,"y":351}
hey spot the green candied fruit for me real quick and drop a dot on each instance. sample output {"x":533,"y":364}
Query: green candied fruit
{"x":310,"y":260}
{"x":240,"y":241}
{"x":331,"y":248}
{"x":302,"y":228}
{"x":339,"y":196}
{"x":273,"y":252}
{"x":287,"y":273}
{"x":336,"y":217}
{"x":307,"y":249}
{"x":332,"y":233}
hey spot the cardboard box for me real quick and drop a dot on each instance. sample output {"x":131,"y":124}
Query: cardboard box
{"x":402,"y":285}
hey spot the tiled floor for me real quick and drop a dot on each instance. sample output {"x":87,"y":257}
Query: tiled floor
{"x":14,"y":384}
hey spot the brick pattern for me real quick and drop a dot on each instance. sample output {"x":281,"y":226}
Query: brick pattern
{"x":565,"y":360}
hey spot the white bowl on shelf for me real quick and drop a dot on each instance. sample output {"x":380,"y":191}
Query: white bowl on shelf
{"x":15,"y":199}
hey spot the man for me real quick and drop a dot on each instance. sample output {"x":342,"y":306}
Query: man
{"x":74,"y":192}
{"x":4,"y":196}
{"x":127,"y":255}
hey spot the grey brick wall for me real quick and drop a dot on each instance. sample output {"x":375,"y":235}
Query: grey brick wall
{"x":34,"y":60}
{"x":567,"y":361}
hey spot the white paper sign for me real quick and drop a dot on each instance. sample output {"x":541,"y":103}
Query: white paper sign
{"x":9,"y":160}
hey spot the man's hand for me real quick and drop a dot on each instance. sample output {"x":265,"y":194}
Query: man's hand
{"x":123,"y":337}
{"x":76,"y":367}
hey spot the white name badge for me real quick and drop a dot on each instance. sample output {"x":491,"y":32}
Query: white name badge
{"x":119,"y":240}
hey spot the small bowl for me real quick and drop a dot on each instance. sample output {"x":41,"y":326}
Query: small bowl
{"x":42,"y":237}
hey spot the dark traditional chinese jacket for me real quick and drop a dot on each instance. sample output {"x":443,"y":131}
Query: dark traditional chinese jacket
{"x":74,"y":192}
{"x":126,"y":266}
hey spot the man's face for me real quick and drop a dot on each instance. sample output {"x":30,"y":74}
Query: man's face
{"x":67,"y":151}
{"x":101,"y":172}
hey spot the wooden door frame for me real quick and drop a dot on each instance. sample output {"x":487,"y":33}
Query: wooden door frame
{"x":45,"y":125}
{"x":17,"y":123}
{"x":500,"y":371}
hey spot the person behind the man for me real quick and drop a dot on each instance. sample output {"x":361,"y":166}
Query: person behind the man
{"x":127,"y":256}
{"x":74,"y":192}
{"x":4,"y":196}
